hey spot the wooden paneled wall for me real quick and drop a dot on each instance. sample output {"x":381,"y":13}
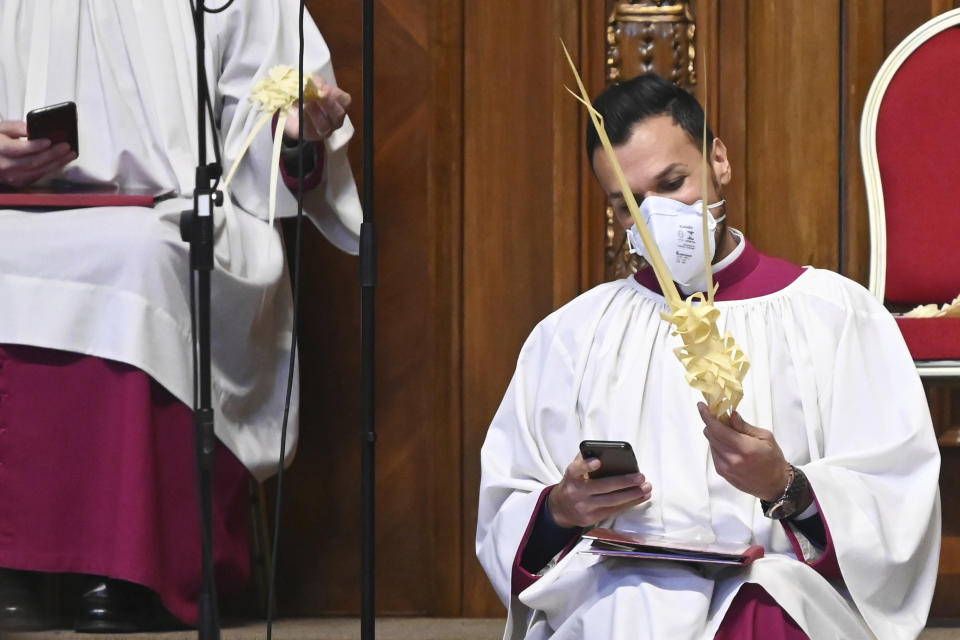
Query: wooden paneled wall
{"x":418,"y":462}
{"x":523,"y":180}
{"x":488,"y":219}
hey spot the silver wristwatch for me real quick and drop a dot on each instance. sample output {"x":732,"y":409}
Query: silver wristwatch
{"x":788,"y":504}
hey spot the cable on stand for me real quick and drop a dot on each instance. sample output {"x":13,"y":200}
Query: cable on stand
{"x":368,"y":283}
{"x":196,"y":227}
{"x":294,"y":333}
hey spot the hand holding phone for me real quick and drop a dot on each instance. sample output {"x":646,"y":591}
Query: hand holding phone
{"x":600,"y":483}
{"x":57,"y":123}
{"x":616,"y":457}
{"x":24,"y":161}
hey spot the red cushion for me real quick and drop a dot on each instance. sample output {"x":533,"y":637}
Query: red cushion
{"x":931,"y":338}
{"x":918,"y":147}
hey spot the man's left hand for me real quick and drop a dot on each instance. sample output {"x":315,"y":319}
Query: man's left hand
{"x":321,"y":115}
{"x":746,"y":456}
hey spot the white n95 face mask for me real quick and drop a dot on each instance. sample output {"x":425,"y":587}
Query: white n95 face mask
{"x":677,"y":228}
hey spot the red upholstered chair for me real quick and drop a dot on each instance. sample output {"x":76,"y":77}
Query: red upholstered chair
{"x":910,"y":147}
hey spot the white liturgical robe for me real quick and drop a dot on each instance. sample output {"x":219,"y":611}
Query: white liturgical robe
{"x":113,"y":282}
{"x":830,"y":377}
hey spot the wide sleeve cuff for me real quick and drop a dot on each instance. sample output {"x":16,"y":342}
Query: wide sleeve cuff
{"x":823,"y":562}
{"x":542,"y":540}
{"x":288,"y":163}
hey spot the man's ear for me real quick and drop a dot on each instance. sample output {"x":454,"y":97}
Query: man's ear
{"x":719,"y":161}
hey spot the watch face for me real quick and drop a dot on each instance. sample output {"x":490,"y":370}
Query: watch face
{"x":782,"y":509}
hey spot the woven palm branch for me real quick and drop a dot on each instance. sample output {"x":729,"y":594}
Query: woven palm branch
{"x":273,"y":94}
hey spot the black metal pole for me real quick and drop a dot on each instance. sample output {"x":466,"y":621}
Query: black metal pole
{"x":368,"y":283}
{"x":208,"y":624}
{"x":199,"y":227}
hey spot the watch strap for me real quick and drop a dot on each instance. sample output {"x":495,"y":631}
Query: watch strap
{"x":788,"y":504}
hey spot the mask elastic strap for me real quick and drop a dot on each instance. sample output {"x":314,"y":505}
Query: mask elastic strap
{"x":632,"y":247}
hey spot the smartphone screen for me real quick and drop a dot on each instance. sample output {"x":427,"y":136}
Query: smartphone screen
{"x":616,"y":457}
{"x":57,"y":123}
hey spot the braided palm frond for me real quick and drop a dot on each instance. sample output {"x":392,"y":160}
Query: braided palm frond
{"x":715,"y":364}
{"x":274,"y":94}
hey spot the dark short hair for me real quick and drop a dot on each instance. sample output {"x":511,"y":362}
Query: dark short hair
{"x":625,"y":104}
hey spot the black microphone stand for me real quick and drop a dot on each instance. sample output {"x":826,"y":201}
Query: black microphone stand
{"x":368,"y":283}
{"x":196,"y":227}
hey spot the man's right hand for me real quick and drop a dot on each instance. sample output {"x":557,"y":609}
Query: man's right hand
{"x":22,"y":161}
{"x":578,"y":501}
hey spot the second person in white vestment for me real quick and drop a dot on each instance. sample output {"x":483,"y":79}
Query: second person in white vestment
{"x":110,"y":284}
{"x":832,"y":397}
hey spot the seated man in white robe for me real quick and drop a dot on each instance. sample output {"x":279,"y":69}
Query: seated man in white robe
{"x":97,"y":467}
{"x":830,"y":462}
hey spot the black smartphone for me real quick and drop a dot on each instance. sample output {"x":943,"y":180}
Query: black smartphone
{"x":57,"y":123}
{"x":616,"y":457}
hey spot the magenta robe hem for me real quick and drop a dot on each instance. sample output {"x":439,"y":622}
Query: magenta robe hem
{"x":97,"y":475}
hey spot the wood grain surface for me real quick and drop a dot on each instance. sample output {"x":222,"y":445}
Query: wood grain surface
{"x":489,"y":218}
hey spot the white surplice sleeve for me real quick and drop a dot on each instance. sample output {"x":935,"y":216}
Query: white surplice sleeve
{"x":877,"y":481}
{"x":253,"y":38}
{"x":525,"y":450}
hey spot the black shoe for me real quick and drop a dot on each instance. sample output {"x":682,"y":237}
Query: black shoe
{"x":113,"y":606}
{"x":21,"y":602}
